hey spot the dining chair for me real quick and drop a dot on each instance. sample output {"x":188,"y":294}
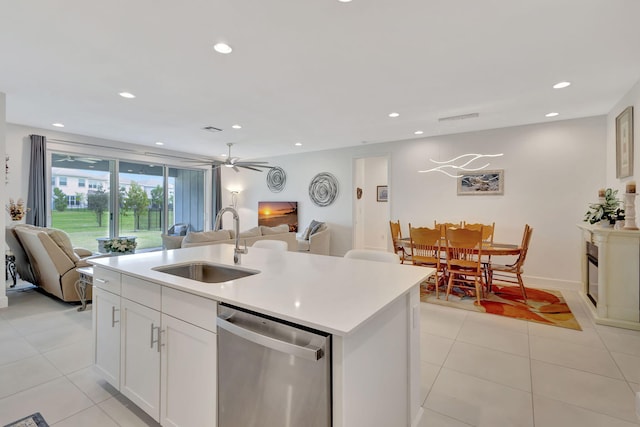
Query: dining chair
{"x":464,"y":265}
{"x":442,"y":226}
{"x":398,"y":247}
{"x":487,"y":230}
{"x":426,"y":251}
{"x":372,"y":255}
{"x":512,"y":273}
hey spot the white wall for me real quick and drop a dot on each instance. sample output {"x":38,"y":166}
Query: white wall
{"x":632,"y":98}
{"x":3,"y":194}
{"x":376,"y":214}
{"x":552,"y":172}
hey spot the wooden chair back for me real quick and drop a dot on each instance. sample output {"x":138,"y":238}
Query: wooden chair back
{"x":396,"y":235}
{"x":487,"y":230}
{"x":425,"y":245}
{"x":526,"y":239}
{"x":464,"y":250}
{"x":442,"y":226}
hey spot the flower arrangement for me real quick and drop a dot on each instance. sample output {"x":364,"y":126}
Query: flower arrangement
{"x":120,"y":244}
{"x":608,"y":209}
{"x":16,"y":209}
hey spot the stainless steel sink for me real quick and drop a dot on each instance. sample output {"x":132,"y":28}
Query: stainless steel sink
{"x":205,"y":272}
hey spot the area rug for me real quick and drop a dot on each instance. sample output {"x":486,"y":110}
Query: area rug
{"x":543,"y":306}
{"x":34,"y":420}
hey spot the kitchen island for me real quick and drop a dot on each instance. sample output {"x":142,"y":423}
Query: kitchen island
{"x":371,"y":310}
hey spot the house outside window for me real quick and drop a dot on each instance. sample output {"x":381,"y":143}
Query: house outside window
{"x":62,"y":181}
{"x":81,"y":182}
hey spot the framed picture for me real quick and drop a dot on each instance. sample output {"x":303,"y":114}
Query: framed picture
{"x":383,"y":193}
{"x":481,"y":183}
{"x":624,"y":143}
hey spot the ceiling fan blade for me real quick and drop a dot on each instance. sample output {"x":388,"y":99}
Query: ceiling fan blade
{"x":236,"y":169}
{"x":90,"y":161}
{"x":249,"y":167}
{"x":255,"y":165}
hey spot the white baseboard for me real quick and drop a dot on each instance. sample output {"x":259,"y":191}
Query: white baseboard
{"x":548,"y":282}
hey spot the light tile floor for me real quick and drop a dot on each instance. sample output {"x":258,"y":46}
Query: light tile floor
{"x":476,"y":370}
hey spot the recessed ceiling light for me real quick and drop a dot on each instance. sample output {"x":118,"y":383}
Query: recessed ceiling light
{"x":159,"y":143}
{"x":561,"y":85}
{"x":236,"y":127}
{"x":551,"y":114}
{"x":394,"y":114}
{"x":127,"y":95}
{"x":58,"y":125}
{"x":222,"y":48}
{"x":344,"y":1}
{"x":418,"y":132}
{"x":298,"y":144}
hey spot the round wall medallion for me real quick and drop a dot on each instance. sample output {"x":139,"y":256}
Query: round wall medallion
{"x":323,"y":189}
{"x":276,"y":179}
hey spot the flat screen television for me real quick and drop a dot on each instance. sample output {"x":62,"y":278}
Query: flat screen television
{"x":271,"y":214}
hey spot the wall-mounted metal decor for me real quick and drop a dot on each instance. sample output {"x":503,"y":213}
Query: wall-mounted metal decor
{"x":323,"y":189}
{"x":276,"y":179}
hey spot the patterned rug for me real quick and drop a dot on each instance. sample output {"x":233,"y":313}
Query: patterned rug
{"x":543,"y":306}
{"x":34,"y":420}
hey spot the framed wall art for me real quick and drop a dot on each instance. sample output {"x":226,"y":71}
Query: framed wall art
{"x":383,"y":193}
{"x":481,"y":183}
{"x":624,"y":143}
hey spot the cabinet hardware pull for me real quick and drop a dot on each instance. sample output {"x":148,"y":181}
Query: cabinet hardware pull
{"x":156,"y":340}
{"x":113,"y":316}
{"x":104,"y":282}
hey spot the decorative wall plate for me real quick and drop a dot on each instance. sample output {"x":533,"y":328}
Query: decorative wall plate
{"x":276,"y":179}
{"x":323,"y":189}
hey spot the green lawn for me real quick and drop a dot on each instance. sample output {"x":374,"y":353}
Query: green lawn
{"x":82,"y":227}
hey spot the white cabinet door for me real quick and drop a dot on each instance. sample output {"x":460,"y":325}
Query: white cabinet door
{"x":106,"y":326}
{"x":140,"y":357}
{"x":188,"y":374}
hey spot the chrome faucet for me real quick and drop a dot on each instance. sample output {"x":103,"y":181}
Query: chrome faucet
{"x":236,"y":225}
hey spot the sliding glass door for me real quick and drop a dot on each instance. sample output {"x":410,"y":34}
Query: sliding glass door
{"x":92,"y":202}
{"x":80,"y":188}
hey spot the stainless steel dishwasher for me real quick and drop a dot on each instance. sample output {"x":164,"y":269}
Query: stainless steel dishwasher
{"x":271,"y":372}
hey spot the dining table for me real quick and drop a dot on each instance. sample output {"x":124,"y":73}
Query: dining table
{"x":489,"y":249}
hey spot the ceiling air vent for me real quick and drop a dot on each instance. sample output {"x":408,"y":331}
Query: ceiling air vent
{"x":212,"y":129}
{"x":460,"y":117}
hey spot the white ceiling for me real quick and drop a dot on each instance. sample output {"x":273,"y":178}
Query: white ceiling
{"x":319,"y":72}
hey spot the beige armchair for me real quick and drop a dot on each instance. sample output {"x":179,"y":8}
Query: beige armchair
{"x":53,"y":261}
{"x":318,"y":242}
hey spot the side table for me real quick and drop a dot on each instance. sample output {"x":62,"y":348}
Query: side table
{"x":86,"y":278}
{"x":10,"y":266}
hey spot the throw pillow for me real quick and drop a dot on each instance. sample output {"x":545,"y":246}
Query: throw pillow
{"x":252,"y":232}
{"x":313,"y":228}
{"x":279,"y":229}
{"x":206,"y":236}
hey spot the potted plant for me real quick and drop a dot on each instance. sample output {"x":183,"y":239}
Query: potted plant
{"x":121,"y":245}
{"x":606,"y":210}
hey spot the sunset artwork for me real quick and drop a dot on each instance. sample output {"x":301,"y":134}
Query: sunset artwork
{"x":271,"y":214}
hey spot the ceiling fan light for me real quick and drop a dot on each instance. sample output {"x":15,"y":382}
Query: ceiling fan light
{"x":229,"y":165}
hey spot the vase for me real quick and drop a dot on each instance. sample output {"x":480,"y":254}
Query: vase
{"x":605,"y":223}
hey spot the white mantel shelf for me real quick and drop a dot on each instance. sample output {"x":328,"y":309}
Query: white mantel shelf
{"x":618,"y":275}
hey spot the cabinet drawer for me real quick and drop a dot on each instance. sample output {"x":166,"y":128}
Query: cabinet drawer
{"x":106,"y":279}
{"x":141,"y":291}
{"x":193,"y":309}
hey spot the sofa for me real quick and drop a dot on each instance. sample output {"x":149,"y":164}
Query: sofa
{"x":315,"y":239}
{"x":52,"y":260}
{"x":248,"y":237}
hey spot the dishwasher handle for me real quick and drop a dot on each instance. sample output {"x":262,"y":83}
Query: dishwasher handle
{"x":308,"y":352}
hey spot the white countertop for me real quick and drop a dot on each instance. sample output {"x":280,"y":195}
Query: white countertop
{"x":331,"y":294}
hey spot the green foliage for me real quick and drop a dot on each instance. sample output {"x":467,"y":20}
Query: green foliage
{"x":59,"y":200}
{"x":157,"y":197}
{"x":609,"y":209}
{"x":98,"y":202}
{"x":136,"y":201}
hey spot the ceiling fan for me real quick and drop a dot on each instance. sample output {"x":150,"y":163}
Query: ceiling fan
{"x":235,"y":163}
{"x":72,"y":159}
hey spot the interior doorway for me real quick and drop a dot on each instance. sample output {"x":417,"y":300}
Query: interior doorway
{"x":371,"y":203}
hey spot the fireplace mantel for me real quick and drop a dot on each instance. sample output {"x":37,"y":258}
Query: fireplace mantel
{"x":618,"y":275}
